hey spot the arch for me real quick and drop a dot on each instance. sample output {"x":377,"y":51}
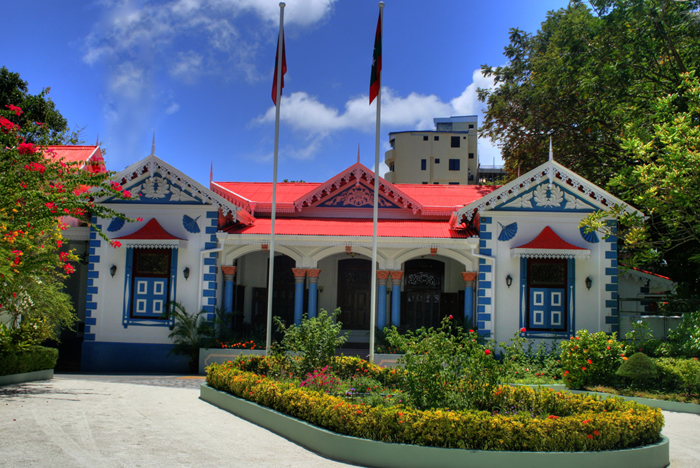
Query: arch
{"x":458,"y":256}
{"x":240,"y":250}
{"x":336,"y":249}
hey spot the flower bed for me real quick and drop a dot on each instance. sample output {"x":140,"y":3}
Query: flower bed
{"x":542,"y":420}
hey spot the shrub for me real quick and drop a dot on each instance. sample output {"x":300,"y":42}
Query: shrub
{"x":549,"y":421}
{"x":314,"y":341}
{"x":686,"y":337}
{"x":591,"y":359}
{"x":33,"y":358}
{"x":639,"y":368}
{"x":678,"y":375}
{"x":445,"y":367}
{"x":190,"y":331}
{"x":526,"y":361}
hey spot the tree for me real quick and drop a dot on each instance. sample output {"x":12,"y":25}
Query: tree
{"x":38,"y":190}
{"x":584,"y":76}
{"x":35,"y":108}
{"x":665,"y":181}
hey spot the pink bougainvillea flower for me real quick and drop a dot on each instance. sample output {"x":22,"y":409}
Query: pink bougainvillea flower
{"x":116,"y":244}
{"x":450,"y":317}
{"x":17,"y":110}
{"x":523,"y":330}
{"x":28,"y":148}
{"x":139,"y":218}
{"x":6,"y":126}
{"x":487,"y":352}
{"x":126,"y":193}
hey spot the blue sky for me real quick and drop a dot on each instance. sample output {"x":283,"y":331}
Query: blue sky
{"x":199,"y":74}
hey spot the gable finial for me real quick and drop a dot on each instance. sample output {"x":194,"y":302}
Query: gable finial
{"x":551,"y":153}
{"x":358,"y":152}
{"x":153,"y":145}
{"x":211,"y":172}
{"x":97,"y":140}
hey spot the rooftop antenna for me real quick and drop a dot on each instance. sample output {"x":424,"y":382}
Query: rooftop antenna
{"x":153,"y":145}
{"x":358,"y":152}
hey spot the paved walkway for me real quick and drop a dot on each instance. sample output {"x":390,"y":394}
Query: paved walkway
{"x":159,"y":421}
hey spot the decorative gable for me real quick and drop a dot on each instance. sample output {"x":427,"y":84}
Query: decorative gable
{"x":356,"y":196}
{"x":548,"y":187}
{"x":546,"y":197}
{"x":361,"y":179}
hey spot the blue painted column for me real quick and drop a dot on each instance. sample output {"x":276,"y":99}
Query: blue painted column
{"x":229,"y":275}
{"x":382,"y":277}
{"x":313,"y":291}
{"x":396,"y":298}
{"x":299,"y":278}
{"x":469,"y":279}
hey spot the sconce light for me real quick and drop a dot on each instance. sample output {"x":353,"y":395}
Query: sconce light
{"x":320,"y":289}
{"x":589,"y":282}
{"x":113,"y":270}
{"x":186,"y":273}
{"x":509,"y":280}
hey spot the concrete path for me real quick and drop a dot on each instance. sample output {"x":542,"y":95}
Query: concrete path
{"x":159,"y":421}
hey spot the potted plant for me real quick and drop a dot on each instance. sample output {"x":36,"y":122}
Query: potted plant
{"x":189,"y":333}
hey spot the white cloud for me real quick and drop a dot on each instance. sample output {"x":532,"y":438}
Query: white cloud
{"x":172,"y":108}
{"x":313,"y":121}
{"x":187,"y":67}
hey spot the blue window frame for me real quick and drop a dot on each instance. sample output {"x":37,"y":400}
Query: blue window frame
{"x":454,"y":164}
{"x":547,"y":296}
{"x":149,"y":286}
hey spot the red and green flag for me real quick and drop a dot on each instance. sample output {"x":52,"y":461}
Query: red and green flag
{"x":375,"y":79}
{"x":284,"y":69}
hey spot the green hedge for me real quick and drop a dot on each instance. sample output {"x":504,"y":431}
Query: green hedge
{"x":576,"y":423}
{"x":678,"y":374}
{"x":32,"y":359}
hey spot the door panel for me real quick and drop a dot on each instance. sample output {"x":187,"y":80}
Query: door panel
{"x":547,"y":308}
{"x":354,"y":283}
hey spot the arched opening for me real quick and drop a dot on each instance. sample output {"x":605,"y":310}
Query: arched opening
{"x":423,"y":291}
{"x":354,"y":293}
{"x":282,"y":293}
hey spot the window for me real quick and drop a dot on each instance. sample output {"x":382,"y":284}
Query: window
{"x":392,"y":142}
{"x":425,"y":183}
{"x":454,"y":183}
{"x":391,"y":167}
{"x":471,"y":125}
{"x":436,"y":183}
{"x":471,"y":155}
{"x":150,"y":288}
{"x":454,"y":164}
{"x":437,"y":160}
{"x":425,"y":137}
{"x":423,"y":164}
{"x":547,"y":284}
{"x":150,"y":285}
{"x":455,"y":142}
{"x":436,"y":138}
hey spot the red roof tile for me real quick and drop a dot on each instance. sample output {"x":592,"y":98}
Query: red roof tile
{"x":549,"y":240}
{"x":353,"y":227}
{"x":82,"y":155}
{"x":152,"y":230}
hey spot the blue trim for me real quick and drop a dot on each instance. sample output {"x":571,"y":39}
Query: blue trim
{"x":482,"y":244}
{"x":485,"y":285}
{"x":93,"y":274}
{"x":127,"y":319}
{"x":91,"y":321}
{"x":209,"y":277}
{"x":486,"y":235}
{"x":484,"y":317}
{"x":611,"y":287}
{"x":88,"y":337}
{"x":209,"y":293}
{"x":611,"y":320}
{"x":484,"y":268}
{"x":485,"y":251}
{"x":486,"y":220}
{"x":210,"y":230}
{"x":569,"y":308}
{"x":481,"y":308}
{"x":482,"y":261}
{"x":611,"y":255}
{"x":95,"y":243}
{"x":94,"y":259}
{"x":131,"y":357}
{"x":210,"y":261}
{"x":209,"y":245}
{"x":481,"y":326}
{"x":563,"y":207}
{"x":484,"y":300}
{"x":212,"y":214}
{"x":211,"y":285}
{"x":91,"y":290}
{"x":610,"y":304}
{"x":211,"y":301}
{"x":91,"y":306}
{"x":210,"y":309}
{"x":482,"y":276}
{"x":482,"y":292}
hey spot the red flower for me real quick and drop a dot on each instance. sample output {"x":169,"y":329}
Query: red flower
{"x":551,"y":416}
{"x":116,"y":244}
{"x":586,"y":421}
{"x":596,"y":432}
{"x":449,"y":318}
{"x":589,"y":436}
{"x":566,"y":372}
{"x":139,"y":218}
{"x":127,"y":194}
{"x":590,"y":362}
{"x":523,"y":330}
{"x":6,"y":126}
{"x":15,"y":109}
{"x":28,"y":148}
{"x":488,"y":351}
{"x":583,"y":368}
{"x":471,"y":331}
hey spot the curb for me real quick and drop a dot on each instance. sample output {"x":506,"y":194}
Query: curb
{"x":372,"y":453}
{"x":46,"y":374}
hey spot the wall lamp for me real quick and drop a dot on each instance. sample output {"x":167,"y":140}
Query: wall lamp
{"x":509,"y":280}
{"x":589,"y":282}
{"x":113,"y":270}
{"x":186,"y":273}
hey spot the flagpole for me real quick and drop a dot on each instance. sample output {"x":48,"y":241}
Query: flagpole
{"x":375,"y":210}
{"x":278,"y":102}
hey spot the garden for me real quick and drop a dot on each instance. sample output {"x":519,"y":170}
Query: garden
{"x":452,"y":389}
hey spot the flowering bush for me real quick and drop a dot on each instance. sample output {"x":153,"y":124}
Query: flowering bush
{"x":38,"y":190}
{"x":548,"y":421}
{"x":445,"y":367}
{"x":527,"y":362}
{"x":321,"y":380}
{"x":591,"y":359}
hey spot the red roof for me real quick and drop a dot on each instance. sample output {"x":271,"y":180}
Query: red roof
{"x":548,"y":239}
{"x":152,"y":230}
{"x":353,"y":227}
{"x":650,"y":273}
{"x":83,"y":155}
{"x":443,"y":196}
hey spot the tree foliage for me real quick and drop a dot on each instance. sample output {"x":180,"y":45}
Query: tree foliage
{"x":40,"y":108}
{"x":38,"y":191}
{"x":583,"y":76}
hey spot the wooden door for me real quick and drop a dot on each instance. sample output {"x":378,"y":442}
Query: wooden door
{"x":354,"y":284}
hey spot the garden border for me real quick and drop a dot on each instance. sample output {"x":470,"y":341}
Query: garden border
{"x":12,"y":379}
{"x":372,"y":453}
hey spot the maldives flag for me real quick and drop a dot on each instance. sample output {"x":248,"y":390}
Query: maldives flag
{"x":284,"y":69}
{"x":375,"y":79}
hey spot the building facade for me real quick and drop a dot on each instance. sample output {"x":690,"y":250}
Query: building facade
{"x":444,"y":156}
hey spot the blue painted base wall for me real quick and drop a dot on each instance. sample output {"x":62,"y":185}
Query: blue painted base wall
{"x":131,"y":357}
